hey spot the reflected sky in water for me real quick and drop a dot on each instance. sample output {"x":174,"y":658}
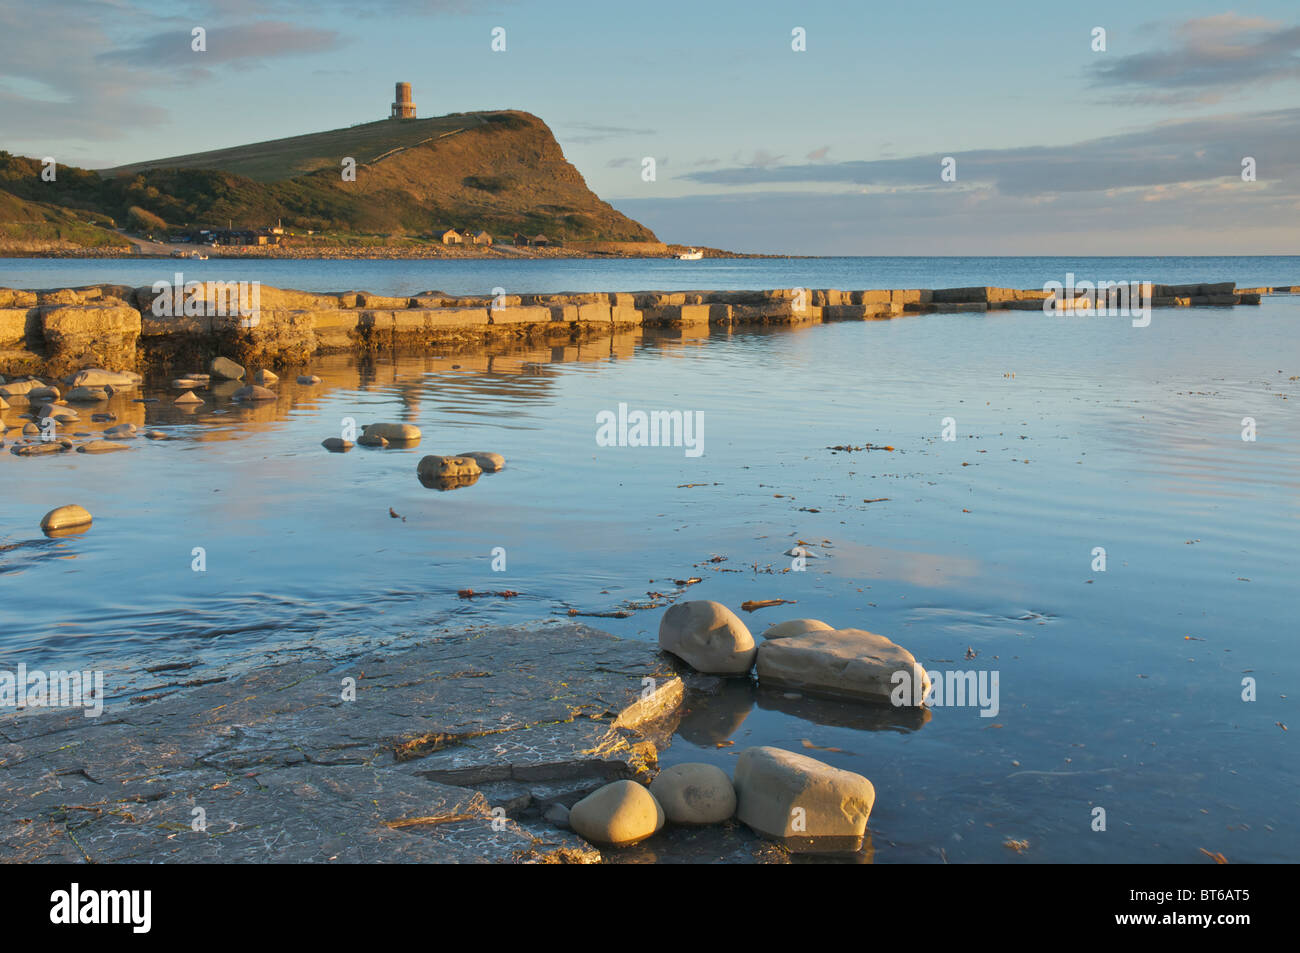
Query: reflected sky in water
{"x":1120,"y":689}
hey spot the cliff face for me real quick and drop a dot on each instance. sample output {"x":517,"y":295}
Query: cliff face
{"x":499,"y":171}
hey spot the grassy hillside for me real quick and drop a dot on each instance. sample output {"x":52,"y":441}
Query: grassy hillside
{"x":500,"y":171}
{"x":33,"y":226}
{"x":280,"y":159}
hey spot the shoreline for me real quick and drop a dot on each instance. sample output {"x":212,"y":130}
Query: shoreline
{"x":593,"y":251}
{"x":57,"y":332}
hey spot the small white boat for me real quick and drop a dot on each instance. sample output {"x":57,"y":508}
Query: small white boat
{"x":692,"y":255}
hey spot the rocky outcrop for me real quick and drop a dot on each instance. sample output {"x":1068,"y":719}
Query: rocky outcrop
{"x":851,"y":664}
{"x":77,"y":335}
{"x":708,"y":636}
{"x":618,"y":814}
{"x":49,"y":332}
{"x":801,"y":802}
{"x":783,"y":630}
{"x":694,"y":793}
{"x":442,"y":753}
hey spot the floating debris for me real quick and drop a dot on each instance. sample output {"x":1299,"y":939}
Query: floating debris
{"x":749,"y":605}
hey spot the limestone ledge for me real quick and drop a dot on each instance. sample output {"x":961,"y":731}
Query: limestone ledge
{"x":54,"y":332}
{"x":446,"y":752}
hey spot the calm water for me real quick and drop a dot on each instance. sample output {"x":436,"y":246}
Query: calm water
{"x":538,"y":276}
{"x":1119,"y":689}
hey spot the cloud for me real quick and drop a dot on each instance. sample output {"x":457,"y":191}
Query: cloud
{"x":760,"y":160}
{"x":1172,"y":188}
{"x":1210,"y":58}
{"x":1185,"y":151}
{"x":242,"y":43}
{"x":589,"y":132}
{"x":51,"y":90}
{"x":818,"y":154}
{"x":1240,"y":221}
{"x":360,"y":8}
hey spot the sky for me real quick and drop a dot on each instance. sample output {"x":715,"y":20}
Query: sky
{"x":833,"y":149}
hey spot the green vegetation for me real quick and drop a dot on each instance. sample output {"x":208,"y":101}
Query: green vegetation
{"x":24,"y":221}
{"x":502,"y":172}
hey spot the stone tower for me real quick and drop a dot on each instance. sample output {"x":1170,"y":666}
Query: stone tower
{"x":404,"y":108}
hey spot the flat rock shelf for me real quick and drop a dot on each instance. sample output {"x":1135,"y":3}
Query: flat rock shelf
{"x":56,"y":331}
{"x":446,"y":752}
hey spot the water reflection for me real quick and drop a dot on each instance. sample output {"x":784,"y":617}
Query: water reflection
{"x":831,"y":713}
{"x":712,"y":714}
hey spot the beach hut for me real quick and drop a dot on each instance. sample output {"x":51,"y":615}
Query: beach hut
{"x":451,"y":237}
{"x":482,"y":238}
{"x":539,"y":239}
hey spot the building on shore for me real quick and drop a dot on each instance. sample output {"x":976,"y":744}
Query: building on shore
{"x":452,"y":237}
{"x":539,"y":240}
{"x":482,"y":238}
{"x":237,"y":236}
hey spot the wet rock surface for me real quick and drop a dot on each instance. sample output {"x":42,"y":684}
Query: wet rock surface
{"x":440,"y":744}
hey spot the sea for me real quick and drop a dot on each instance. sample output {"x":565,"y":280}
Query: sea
{"x":1095,"y":522}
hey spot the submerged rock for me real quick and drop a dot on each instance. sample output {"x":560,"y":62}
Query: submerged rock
{"x":264,"y":376}
{"x":66,"y":518}
{"x":57,"y":412}
{"x":694,"y":793}
{"x":617,"y":814}
{"x":372,"y":440}
{"x":186,"y":383}
{"x":101,"y":446}
{"x":783,"y":630}
{"x":156,"y":435}
{"x":226,"y":369}
{"x":98,"y":377}
{"x":394,"y":433}
{"x":447,"y":473}
{"x":450,"y":482}
{"x":37,"y":449}
{"x":336,"y":444}
{"x":253,"y":392}
{"x":709,"y":636}
{"x":802,"y":802}
{"x":19,"y":388}
{"x":488,"y":461}
{"x":434,"y":465}
{"x":840,"y":663}
{"x":87,"y":395}
{"x":189,"y":397}
{"x":43,"y":393}
{"x":308,"y":379}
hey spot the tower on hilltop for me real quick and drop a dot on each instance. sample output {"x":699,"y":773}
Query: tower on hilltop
{"x":404,"y":108}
